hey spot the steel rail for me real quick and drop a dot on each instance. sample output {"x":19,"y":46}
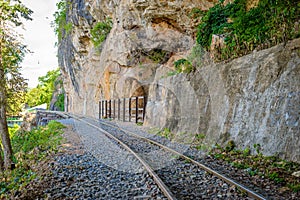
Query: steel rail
{"x":160,"y":183}
{"x":226,"y":179}
{"x":156,"y":178}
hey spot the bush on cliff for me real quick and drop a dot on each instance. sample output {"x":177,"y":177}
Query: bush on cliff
{"x":243,"y":30}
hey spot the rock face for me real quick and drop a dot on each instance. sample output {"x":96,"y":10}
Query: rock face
{"x":250,"y":100}
{"x":145,"y":36}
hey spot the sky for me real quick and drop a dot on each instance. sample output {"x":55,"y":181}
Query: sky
{"x":40,"y":38}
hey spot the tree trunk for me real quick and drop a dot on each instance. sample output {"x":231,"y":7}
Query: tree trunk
{"x":7,"y":150}
{"x":1,"y":160}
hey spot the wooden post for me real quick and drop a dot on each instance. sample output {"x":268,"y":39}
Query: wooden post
{"x":144,"y":107}
{"x":124,"y":109}
{"x":136,"y":109}
{"x":114,"y":108}
{"x":110,"y":108}
{"x":106,"y":109}
{"x":99,"y":109}
{"x":129,"y":108}
{"x":119,"y":107}
{"x":102,"y":109}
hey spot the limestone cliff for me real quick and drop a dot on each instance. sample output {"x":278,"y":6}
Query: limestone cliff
{"x":251,"y":100}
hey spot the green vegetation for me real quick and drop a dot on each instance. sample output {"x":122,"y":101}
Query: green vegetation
{"x":278,"y":170}
{"x":13,"y":130}
{"x":61,"y":26}
{"x":294,"y":187}
{"x":44,"y":91}
{"x":198,"y":142}
{"x":100,"y":31}
{"x":12,"y":84}
{"x":139,"y":123}
{"x":166,"y":132}
{"x":29,"y":149}
{"x":268,"y":24}
{"x":60,"y":103}
{"x":46,"y":139}
{"x":157,"y":55}
{"x":183,"y":65}
{"x":187,"y":65}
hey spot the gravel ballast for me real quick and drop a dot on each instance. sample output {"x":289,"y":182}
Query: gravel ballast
{"x":93,"y":166}
{"x":88,"y":169}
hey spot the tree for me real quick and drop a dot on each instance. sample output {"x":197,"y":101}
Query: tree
{"x":44,"y":91}
{"x":11,"y":54}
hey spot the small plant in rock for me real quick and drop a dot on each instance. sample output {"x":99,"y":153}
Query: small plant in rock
{"x":195,"y":59}
{"x":246,"y":152}
{"x":154,"y":130}
{"x":157,"y":55}
{"x":100,"y":31}
{"x":183,"y":65}
{"x":198,"y":142}
{"x":172,"y":73}
{"x":200,"y":136}
{"x":294,"y":187}
{"x":166,"y":132}
{"x":175,"y":156}
{"x":275,"y":176}
{"x":139,"y":123}
{"x":230,"y":146}
{"x":201,"y":147}
{"x":251,"y":171}
{"x":240,"y":165}
{"x":257,"y":148}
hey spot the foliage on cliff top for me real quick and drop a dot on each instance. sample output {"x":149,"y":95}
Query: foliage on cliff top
{"x":61,"y":26}
{"x":268,"y":24}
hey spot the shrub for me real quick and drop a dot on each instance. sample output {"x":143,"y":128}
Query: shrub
{"x":268,"y":24}
{"x":100,"y":31}
{"x":29,"y":148}
{"x":183,"y":65}
{"x":60,"y":24}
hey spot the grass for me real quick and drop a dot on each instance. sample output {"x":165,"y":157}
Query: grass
{"x":198,"y":142}
{"x":139,"y":123}
{"x":166,"y":132}
{"x":271,"y":167}
{"x":29,"y":148}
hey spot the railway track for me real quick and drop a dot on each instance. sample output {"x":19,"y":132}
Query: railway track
{"x":179,"y":177}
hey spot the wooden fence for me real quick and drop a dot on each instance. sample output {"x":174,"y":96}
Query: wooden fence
{"x":125,"y":109}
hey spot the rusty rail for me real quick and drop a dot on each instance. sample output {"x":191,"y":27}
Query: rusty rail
{"x":125,"y":109}
{"x":230,"y":181}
